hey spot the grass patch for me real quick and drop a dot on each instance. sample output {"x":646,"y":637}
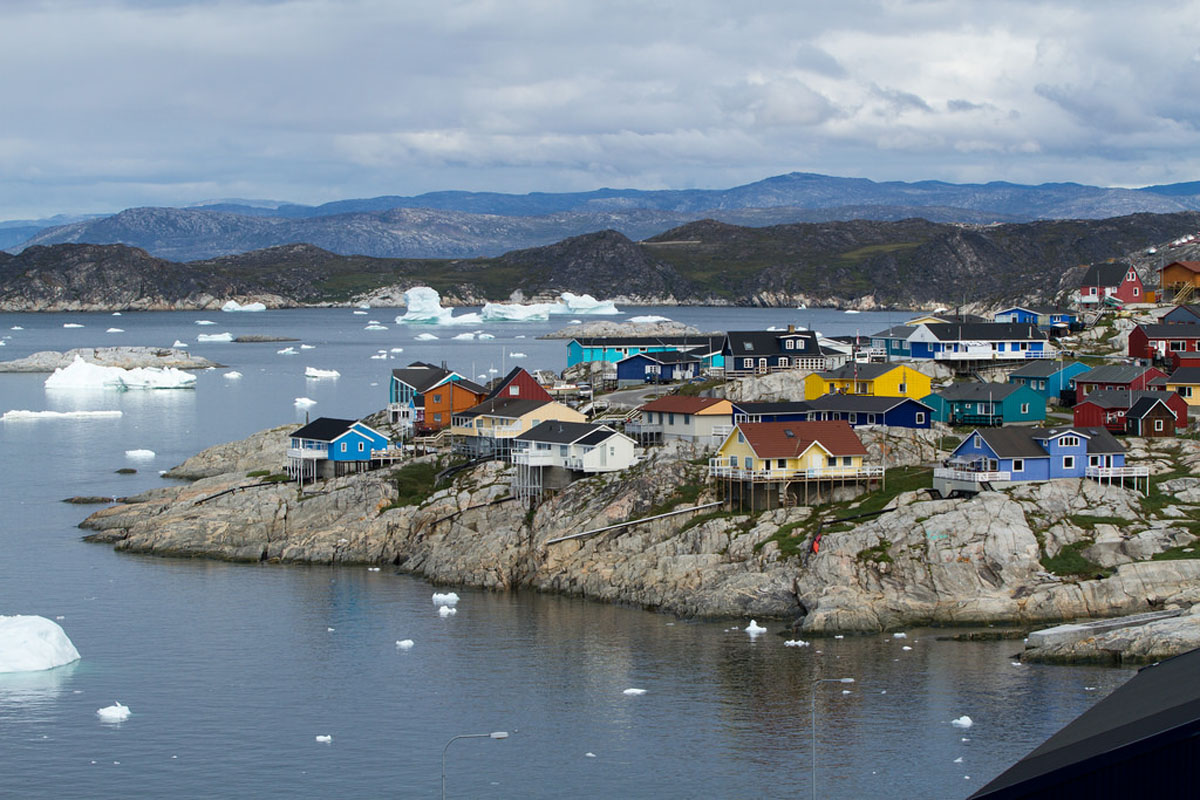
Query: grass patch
{"x":700,"y":519}
{"x":258,"y":473}
{"x":278,"y":477}
{"x":899,"y":481}
{"x":1070,"y":562}
{"x":414,"y":484}
{"x":790,"y":537}
{"x":1176,"y":553}
{"x":694,"y":389}
{"x":687,"y":493}
{"x":1089,"y":522}
{"x":876,"y":555}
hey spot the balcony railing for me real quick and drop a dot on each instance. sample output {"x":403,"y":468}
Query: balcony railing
{"x":534,"y":458}
{"x":1118,"y":472}
{"x":971,"y":475}
{"x":308,"y":452}
{"x":719,"y":468}
{"x":993,"y":355}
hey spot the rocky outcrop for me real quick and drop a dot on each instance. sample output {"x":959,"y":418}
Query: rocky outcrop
{"x":123,"y":357}
{"x":265,"y":450}
{"x":1137,"y":644}
{"x":610,"y":328}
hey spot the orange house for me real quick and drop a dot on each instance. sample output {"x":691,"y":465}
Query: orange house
{"x":447,"y":399}
{"x":1182,"y":277}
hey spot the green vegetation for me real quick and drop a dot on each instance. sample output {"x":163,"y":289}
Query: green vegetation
{"x":790,"y":538}
{"x":694,"y":389}
{"x":700,"y":519}
{"x":1070,"y":562}
{"x":258,"y":473}
{"x":899,"y":481}
{"x":1089,"y":522}
{"x":278,"y":477}
{"x":1176,"y":553}
{"x":877,"y":554}
{"x":685,"y":494}
{"x":414,"y":484}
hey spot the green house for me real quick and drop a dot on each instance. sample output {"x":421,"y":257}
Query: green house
{"x":986,"y":404}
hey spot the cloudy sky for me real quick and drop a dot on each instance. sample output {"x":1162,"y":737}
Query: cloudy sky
{"x":115,"y":103}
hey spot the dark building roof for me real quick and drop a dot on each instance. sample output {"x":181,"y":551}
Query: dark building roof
{"x":1112,"y":373}
{"x":777,"y":407}
{"x":596,"y":437}
{"x":472,"y":387}
{"x":557,"y":432}
{"x":861,"y":404}
{"x":1041,"y":368}
{"x":770,"y":343}
{"x":1144,"y":405}
{"x":665,"y":357}
{"x":1105,"y":274}
{"x":421,"y":376}
{"x":710,"y":344}
{"x":977,"y":391}
{"x":1168,"y":330}
{"x":985,"y":331}
{"x":1099,"y":440}
{"x":895,"y":332}
{"x":1184,"y":375}
{"x":1121,"y":398}
{"x":503,"y":407}
{"x":1012,"y":442}
{"x":1138,"y":741}
{"x":861,"y":372}
{"x":324,"y":429}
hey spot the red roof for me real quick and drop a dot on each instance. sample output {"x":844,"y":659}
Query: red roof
{"x":790,"y":439}
{"x":682,"y":404}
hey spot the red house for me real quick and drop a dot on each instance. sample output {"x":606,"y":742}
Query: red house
{"x":1108,"y":409}
{"x":520,"y":384}
{"x":1166,"y":342}
{"x":1119,"y":281}
{"x":1123,"y":377}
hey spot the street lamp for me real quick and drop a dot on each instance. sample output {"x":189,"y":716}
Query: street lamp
{"x":816,"y":683}
{"x":492,"y":735}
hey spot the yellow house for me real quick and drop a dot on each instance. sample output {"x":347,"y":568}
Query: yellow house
{"x":1186,"y":382}
{"x":488,"y":428}
{"x":871,"y":380}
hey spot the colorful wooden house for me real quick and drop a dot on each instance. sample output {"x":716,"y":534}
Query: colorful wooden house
{"x":871,"y":380}
{"x":1187,"y":314}
{"x":1049,"y":378}
{"x":329,"y":448}
{"x":763,"y":352}
{"x":893,"y":342}
{"x":406,"y":387}
{"x":488,"y":429}
{"x":1150,"y":417}
{"x":1185,"y":382}
{"x":1115,"y":377}
{"x":1110,"y":283}
{"x":518,"y":384}
{"x":769,"y":464}
{"x":614,"y":348}
{"x":894,"y":412}
{"x":702,"y":420}
{"x":665,"y":366}
{"x":1109,"y":408}
{"x":553,"y":454}
{"x":1045,"y":317}
{"x":986,"y":404}
{"x":982,"y":341}
{"x":442,"y":402}
{"x":1180,"y":279}
{"x":1174,"y":343}
{"x":989,"y":459}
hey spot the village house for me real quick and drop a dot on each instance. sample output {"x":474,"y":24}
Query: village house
{"x":1045,"y":317}
{"x":1123,"y":377}
{"x":329,"y":448}
{"x":614,"y":348}
{"x":982,"y":341}
{"x":1184,"y":381}
{"x":1179,"y":281}
{"x":992,"y":458}
{"x":488,"y":429}
{"x":763,"y":352}
{"x":1176,"y":343}
{"x":771,"y":464}
{"x":1110,"y":408}
{"x":406,"y":389}
{"x":701,"y":420}
{"x":1109,"y":284}
{"x":552,"y":454}
{"x":986,"y":404}
{"x":898,"y":412}
{"x":1049,"y":378}
{"x":518,"y":384}
{"x":871,"y":380}
{"x":893,"y":342}
{"x":1187,"y":314}
{"x":667,"y":366}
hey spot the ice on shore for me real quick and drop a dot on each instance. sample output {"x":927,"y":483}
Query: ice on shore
{"x":233,"y":374}
{"x":426,"y":337}
{"x":139,"y":454}
{"x":424,"y":307}
{"x":205,"y":322}
{"x":114,"y":713}
{"x":72,"y":325}
{"x":405,"y":644}
{"x":21,"y":414}
{"x":754,"y":628}
{"x":313,"y":372}
{"x":962,"y":722}
{"x":30,"y":643}
{"x":649,"y":318}
{"x":81,"y":374}
{"x":304,"y":402}
{"x":115,"y":330}
{"x":634,"y":692}
{"x":324,"y":738}
{"x":447,"y":599}
{"x":215,"y":337}
{"x":234,"y":305}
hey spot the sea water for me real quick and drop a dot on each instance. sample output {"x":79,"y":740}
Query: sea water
{"x":231,"y":671}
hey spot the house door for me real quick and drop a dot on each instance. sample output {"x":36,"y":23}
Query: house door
{"x":762,"y":365}
{"x":1108,"y":461}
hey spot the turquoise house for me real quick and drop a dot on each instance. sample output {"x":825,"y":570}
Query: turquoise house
{"x":616,"y":348}
{"x":986,"y":404}
{"x":1049,"y":378}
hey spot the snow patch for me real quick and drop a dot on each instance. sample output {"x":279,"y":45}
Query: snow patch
{"x":30,"y":643}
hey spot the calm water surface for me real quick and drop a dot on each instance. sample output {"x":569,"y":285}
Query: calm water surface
{"x":232,"y":670}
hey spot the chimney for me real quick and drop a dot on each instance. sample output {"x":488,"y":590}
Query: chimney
{"x":791,"y":328}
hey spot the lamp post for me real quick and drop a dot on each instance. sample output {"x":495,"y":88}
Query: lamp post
{"x":815,"y":684}
{"x":492,"y":735}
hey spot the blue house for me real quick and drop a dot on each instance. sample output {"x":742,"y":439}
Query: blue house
{"x":330,"y":448}
{"x":896,"y":412}
{"x":997,"y":457}
{"x":1049,"y":378}
{"x":981,"y":341}
{"x":893,"y":342}
{"x":780,"y":411}
{"x":664,"y":366}
{"x":1182,"y":315}
{"x":614,"y":348}
{"x":1044,"y":317}
{"x":986,"y":404}
{"x":764,"y":352}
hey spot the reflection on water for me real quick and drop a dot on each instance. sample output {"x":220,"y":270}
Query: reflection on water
{"x":35,"y":691}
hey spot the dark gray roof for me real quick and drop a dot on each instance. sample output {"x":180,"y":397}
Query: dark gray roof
{"x":895,"y":332}
{"x":1121,"y":398}
{"x":1041,"y":368}
{"x":769,"y":343}
{"x":557,"y":432}
{"x":779,"y":407}
{"x":977,"y":391}
{"x":502,"y":407}
{"x":666,"y":356}
{"x":1168,"y":330}
{"x":472,"y":386}
{"x":324,"y":429}
{"x":711,"y":343}
{"x":1189,"y":308}
{"x":864,"y":372}
{"x":1185,"y":375}
{"x":858,"y":403}
{"x":596,"y":437}
{"x":1105,"y":274}
{"x":985,"y":331}
{"x":1012,"y":442}
{"x":1143,"y":405}
{"x":1112,"y":373}
{"x":421,"y":376}
{"x":1099,"y":440}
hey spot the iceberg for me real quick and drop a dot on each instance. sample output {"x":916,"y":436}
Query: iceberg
{"x":30,"y":643}
{"x":360,"y":313}
{"x":650,"y":318}
{"x":234,"y":305}
{"x":397,"y":349}
{"x":516,"y":312}
{"x":233,"y":374}
{"x":21,"y":414}
{"x":81,"y":374}
{"x":754,"y":628}
{"x":157,"y":378}
{"x":179,"y":344}
{"x":962,"y":722}
{"x":304,"y":402}
{"x":464,"y":336}
{"x":569,"y":303}
{"x":313,"y":372}
{"x":424,"y":306}
{"x":114,"y":713}
{"x":795,"y":643}
{"x":215,"y":337}
{"x":448,"y":599}
{"x":489,"y":336}
{"x":205,"y":322}
{"x":375,"y":328}
{"x":447,"y":611}
{"x":308,"y":347}
{"x":380,"y":356}
{"x":634,"y":692}
{"x":287,"y":351}
{"x":139,"y":455}
{"x":404,"y":644}
{"x":16,"y":328}
{"x":72,"y":325}
{"x":115,"y":330}
{"x":517,"y":355}
{"x":425,"y":337}
{"x":324,"y":738}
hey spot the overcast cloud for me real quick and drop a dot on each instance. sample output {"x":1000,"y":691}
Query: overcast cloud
{"x":110,"y":104}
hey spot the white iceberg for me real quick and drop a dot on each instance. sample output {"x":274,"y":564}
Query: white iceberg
{"x":308,"y":347}
{"x":464,"y":336}
{"x":447,"y":611}
{"x":234,"y":305}
{"x":30,"y":643}
{"x":115,"y":330}
{"x":899,"y":635}
{"x":852,"y":311}
{"x":489,"y":336}
{"x":21,"y":414}
{"x":375,"y":328}
{"x":179,"y":344}
{"x":116,"y":313}
{"x":404,"y":644}
{"x":215,"y":337}
{"x":313,"y":372}
{"x":754,"y":628}
{"x":157,"y":378}
{"x":361,"y":313}
{"x":304,"y":402}
{"x":16,"y":328}
{"x":962,"y":722}
{"x":205,"y":322}
{"x":366,"y":306}
{"x":448,"y":599}
{"x":584,"y":304}
{"x":72,"y":325}
{"x":649,"y":318}
{"x":380,"y":356}
{"x":906,"y":647}
{"x":397,"y":350}
{"x":139,"y":455}
{"x":81,"y":374}
{"x":324,"y":738}
{"x":426,"y":337}
{"x":287,"y":351}
{"x":114,"y":713}
{"x":424,"y":307}
{"x":795,"y":643}
{"x":517,"y":355}
{"x":516,"y":312}
{"x":233,"y":374}
{"x":634,"y":692}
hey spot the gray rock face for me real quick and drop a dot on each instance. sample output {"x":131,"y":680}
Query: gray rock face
{"x":1140,"y":644}
{"x":605,"y":327}
{"x":263,"y":450}
{"x":123,"y":357}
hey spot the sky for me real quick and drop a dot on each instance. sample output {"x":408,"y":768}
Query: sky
{"x":109,"y":104}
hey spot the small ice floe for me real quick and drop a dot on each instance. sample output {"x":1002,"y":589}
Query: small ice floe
{"x":493,"y":369}
{"x":845,"y":691}
{"x":313,"y":372}
{"x":233,"y":374}
{"x":397,"y":350}
{"x":215,"y":337}
{"x":589,"y":755}
{"x":404,"y":644}
{"x":447,"y":599}
{"x":518,"y":336}
{"x":304,"y":402}
{"x":16,"y":328}
{"x":754,"y":628}
{"x":115,"y":330}
{"x":958,"y":760}
{"x":906,"y":647}
{"x":287,"y":351}
{"x":178,"y":343}
{"x":964,"y":739}
{"x":330,"y":630}
{"x":1089,"y":688}
{"x":380,"y":357}
{"x":116,"y":313}
{"x":375,"y":327}
{"x":883,"y":691}
{"x":447,"y":611}
{"x":324,"y":738}
{"x":426,"y":337}
{"x":114,"y":713}
{"x":364,"y":306}
{"x":899,"y":635}
{"x":372,"y":569}
{"x":308,"y":347}
{"x":962,"y":722}
{"x":463,"y":336}
{"x":1016,"y":663}
{"x":205,"y":322}
{"x":139,"y":454}
{"x":360,"y":313}
{"x":492,"y":336}
{"x":517,"y":355}
{"x":72,"y":325}
{"x":22,"y":414}
{"x":634,"y":692}
{"x":839,"y":636}
{"x":852,"y":311}
{"x":795,"y":643}
{"x":580,"y":322}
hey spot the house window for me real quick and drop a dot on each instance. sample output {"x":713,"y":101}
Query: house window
{"x":1068,"y":462}
{"x":748,"y":363}
{"x":831,"y":461}
{"x":847,"y":461}
{"x":1024,"y":408}
{"x":920,"y":417}
{"x":1018,"y":465}
{"x":670,"y":419}
{"x":832,"y":388}
{"x":362,"y":447}
{"x":1178,"y":346}
{"x":748,"y":462}
{"x":1069,"y":441}
{"x":783,"y":360}
{"x":1136,"y":291}
{"x":1158,"y":425}
{"x":1184,"y":391}
{"x":1092,"y":290}
{"x":863,"y":388}
{"x":437,"y":398}
{"x":741,"y":437}
{"x":781,"y":463}
{"x":343,"y":447}
{"x":437,"y":417}
{"x":514,"y":390}
{"x":978,"y":441}
{"x":1093,"y":461}
{"x":789,"y":344}
{"x":733,"y":461}
{"x":903,"y":388}
{"x":853,"y":418}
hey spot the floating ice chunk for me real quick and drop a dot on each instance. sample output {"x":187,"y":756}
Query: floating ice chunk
{"x":405,"y":644}
{"x":114,"y":713}
{"x":517,"y":355}
{"x":375,"y":328}
{"x":179,"y":344}
{"x":116,"y":313}
{"x":650,"y":318}
{"x":304,"y":402}
{"x":852,"y":311}
{"x":1089,"y":688}
{"x":287,"y":351}
{"x":380,"y":356}
{"x":397,"y":350}
{"x":372,"y":569}
{"x":447,"y":599}
{"x":492,"y":336}
{"x":795,"y":643}
{"x":330,"y":630}
{"x":962,"y":722}
{"x":1016,"y":663}
{"x":754,"y":628}
{"x":313,"y":372}
{"x":365,"y":306}
{"x":360,"y":313}
{"x":324,"y":738}
{"x":634,"y":692}
{"x":589,"y":755}
{"x":518,"y":336}
{"x":516,"y":312}
{"x":233,"y":374}
{"x":115,"y":330}
{"x":845,"y":691}
{"x":447,"y":611}
{"x":234,"y":305}
{"x":906,"y":647}
{"x":426,"y":337}
{"x":157,"y":378}
{"x":140,"y":455}
{"x":899,"y":635}
{"x":308,"y":347}
{"x":464,"y":336}
{"x":424,"y":306}
{"x":215,"y":337}
{"x":958,"y":760}
{"x":72,"y":325}
{"x":30,"y":643}
{"x":83,"y":375}
{"x":16,"y":328}
{"x":839,"y":636}
{"x":583,"y":304}
{"x":576,"y":322}
{"x":482,"y":376}
{"x":21,"y":414}
{"x":205,"y":322}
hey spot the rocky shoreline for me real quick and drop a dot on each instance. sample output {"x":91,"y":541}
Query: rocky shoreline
{"x":977,"y":561}
{"x":123,"y":357}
